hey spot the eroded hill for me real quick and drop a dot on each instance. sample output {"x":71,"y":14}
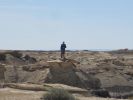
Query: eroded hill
{"x":106,"y":74}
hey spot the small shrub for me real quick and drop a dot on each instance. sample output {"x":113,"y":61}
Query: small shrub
{"x":30,"y":59}
{"x":58,"y":94}
{"x":2,"y":57}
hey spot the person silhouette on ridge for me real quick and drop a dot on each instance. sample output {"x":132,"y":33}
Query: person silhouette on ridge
{"x":63,"y":46}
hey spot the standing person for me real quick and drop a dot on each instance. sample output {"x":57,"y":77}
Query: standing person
{"x":63,"y":46}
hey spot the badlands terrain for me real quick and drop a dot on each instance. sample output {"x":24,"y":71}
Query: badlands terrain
{"x":88,"y":75}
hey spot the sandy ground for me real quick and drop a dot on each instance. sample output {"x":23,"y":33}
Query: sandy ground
{"x":15,"y":94}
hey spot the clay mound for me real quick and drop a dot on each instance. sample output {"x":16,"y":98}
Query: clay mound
{"x":116,"y":79}
{"x":66,"y":73}
{"x":11,"y":60}
{"x":15,"y":58}
{"x":15,"y":74}
{"x":15,"y":54}
{"x":53,"y":72}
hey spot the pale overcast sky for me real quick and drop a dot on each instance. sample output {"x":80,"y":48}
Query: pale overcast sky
{"x":82,"y":24}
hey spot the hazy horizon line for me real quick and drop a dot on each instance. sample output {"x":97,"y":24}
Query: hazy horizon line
{"x":66,"y":50}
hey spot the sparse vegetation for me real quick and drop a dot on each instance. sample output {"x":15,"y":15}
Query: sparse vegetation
{"x":58,"y":94}
{"x":2,"y":57}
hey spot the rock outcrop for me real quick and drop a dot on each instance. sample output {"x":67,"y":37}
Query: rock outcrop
{"x":100,"y":72}
{"x":52,"y":72}
{"x":66,"y":73}
{"x":116,"y":79}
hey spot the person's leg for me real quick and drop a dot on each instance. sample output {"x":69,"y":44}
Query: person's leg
{"x":64,"y":54}
{"x":61,"y":54}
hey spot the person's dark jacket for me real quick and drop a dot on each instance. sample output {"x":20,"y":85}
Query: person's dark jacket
{"x":63,"y":46}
